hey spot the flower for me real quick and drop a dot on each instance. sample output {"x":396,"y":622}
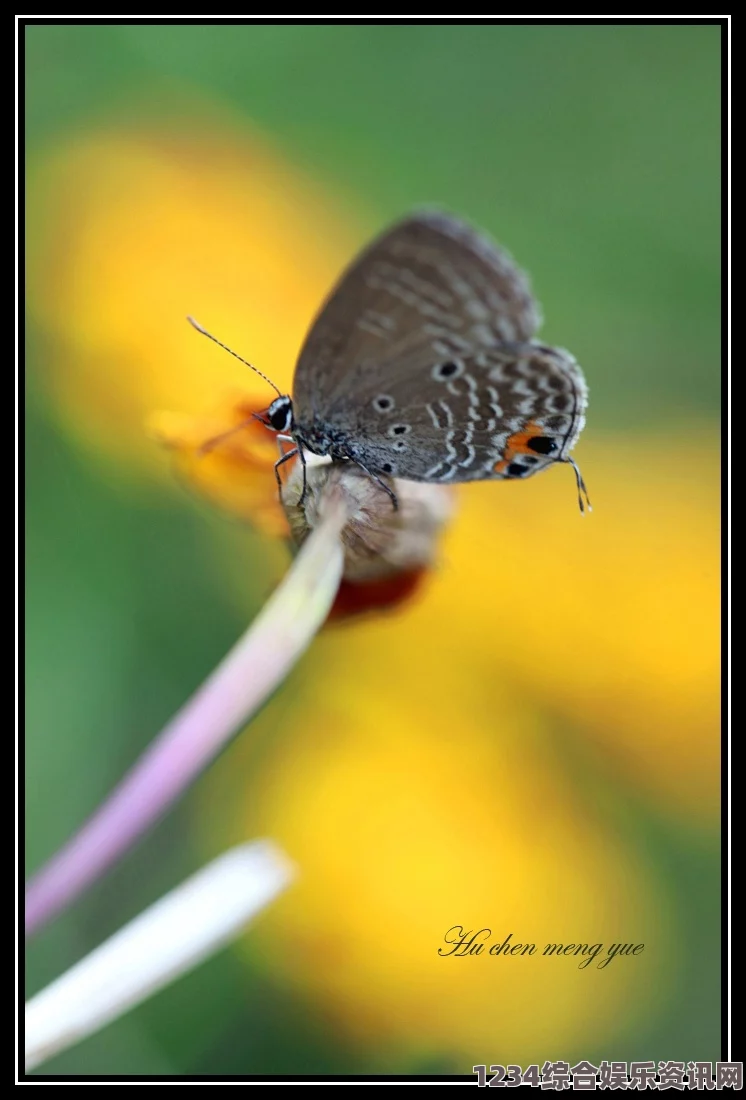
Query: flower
{"x":157,"y":947}
{"x":228,"y":457}
{"x":130,"y":230}
{"x":474,"y":759}
{"x":380,"y":542}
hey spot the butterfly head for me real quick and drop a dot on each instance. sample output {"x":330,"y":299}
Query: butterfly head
{"x":279,"y":415}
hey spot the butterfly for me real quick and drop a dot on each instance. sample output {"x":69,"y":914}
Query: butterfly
{"x":422,"y":364}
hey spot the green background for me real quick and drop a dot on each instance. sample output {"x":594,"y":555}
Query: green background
{"x":599,"y":146}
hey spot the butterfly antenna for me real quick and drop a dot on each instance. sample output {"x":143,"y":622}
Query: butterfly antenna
{"x":195,"y":324}
{"x":581,"y":487}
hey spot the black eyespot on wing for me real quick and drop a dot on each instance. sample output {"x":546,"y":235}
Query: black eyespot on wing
{"x":516,"y":470}
{"x":383,"y":403}
{"x":543,"y":445}
{"x":452,"y":368}
{"x":387,"y":467}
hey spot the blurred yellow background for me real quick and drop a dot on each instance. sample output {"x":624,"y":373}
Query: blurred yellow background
{"x":531,"y":743}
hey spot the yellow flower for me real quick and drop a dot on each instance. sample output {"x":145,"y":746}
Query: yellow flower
{"x":129,"y":231}
{"x":418,"y":791}
{"x":471,"y":759}
{"x":462,"y":763}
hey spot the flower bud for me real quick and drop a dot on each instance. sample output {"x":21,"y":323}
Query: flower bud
{"x":378,"y":540}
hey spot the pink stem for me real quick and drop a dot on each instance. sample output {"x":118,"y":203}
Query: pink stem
{"x":235,"y":690}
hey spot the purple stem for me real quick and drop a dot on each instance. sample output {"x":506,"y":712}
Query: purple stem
{"x":235,"y":690}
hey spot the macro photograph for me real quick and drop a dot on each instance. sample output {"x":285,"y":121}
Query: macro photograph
{"x":371,"y":542}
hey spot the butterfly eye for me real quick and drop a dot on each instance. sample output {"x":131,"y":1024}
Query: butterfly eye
{"x":542,"y":444}
{"x":280,"y":414}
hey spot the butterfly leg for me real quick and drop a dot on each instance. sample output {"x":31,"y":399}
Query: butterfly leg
{"x":302,"y":457}
{"x":285,"y":458}
{"x":297,"y":450}
{"x":379,"y":481}
{"x":284,"y":439}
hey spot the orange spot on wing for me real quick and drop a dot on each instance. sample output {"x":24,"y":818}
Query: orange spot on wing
{"x":517,"y":444}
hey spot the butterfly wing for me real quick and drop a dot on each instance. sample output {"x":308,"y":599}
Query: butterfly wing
{"x":432,"y":285}
{"x":504,"y":412}
{"x":421,"y":363}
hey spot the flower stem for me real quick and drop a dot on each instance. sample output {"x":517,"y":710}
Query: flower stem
{"x":229,"y":697}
